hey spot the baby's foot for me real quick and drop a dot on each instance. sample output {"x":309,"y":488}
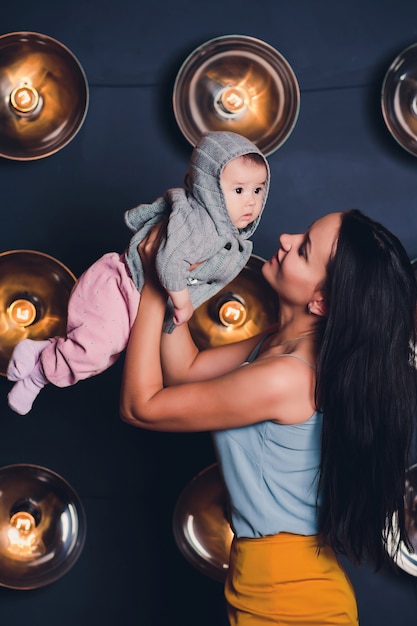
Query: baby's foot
{"x":24,"y":358}
{"x":24,"y":392}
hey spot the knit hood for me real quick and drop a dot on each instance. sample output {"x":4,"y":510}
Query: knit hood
{"x":202,"y":180}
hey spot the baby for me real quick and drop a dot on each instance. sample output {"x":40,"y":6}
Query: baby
{"x":205,"y":246}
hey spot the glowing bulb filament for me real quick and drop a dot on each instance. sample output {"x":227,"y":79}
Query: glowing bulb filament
{"x":23,"y":522}
{"x":232,"y":313}
{"x":231,"y":101}
{"x":24,"y":542}
{"x":24,"y":99}
{"x":22,"y":312}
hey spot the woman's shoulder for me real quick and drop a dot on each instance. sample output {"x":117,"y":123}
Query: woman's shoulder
{"x":294,"y":366}
{"x":290,"y":380}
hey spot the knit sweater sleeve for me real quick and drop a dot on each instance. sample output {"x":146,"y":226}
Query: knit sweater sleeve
{"x":191,"y":237}
{"x":140,"y":220}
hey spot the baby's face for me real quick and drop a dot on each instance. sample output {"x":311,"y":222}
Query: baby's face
{"x":243,"y":184}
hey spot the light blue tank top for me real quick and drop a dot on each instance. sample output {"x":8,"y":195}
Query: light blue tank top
{"x":271,"y":474}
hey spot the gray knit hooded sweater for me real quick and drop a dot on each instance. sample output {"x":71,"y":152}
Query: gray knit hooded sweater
{"x":199,"y":227}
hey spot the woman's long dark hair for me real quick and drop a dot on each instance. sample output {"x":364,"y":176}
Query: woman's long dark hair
{"x":366,"y":388}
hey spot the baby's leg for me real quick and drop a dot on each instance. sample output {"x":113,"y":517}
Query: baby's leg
{"x":24,"y":358}
{"x":101,"y":311}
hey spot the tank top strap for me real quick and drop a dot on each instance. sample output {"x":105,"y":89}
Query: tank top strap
{"x":253,"y":355}
{"x":300,"y":358}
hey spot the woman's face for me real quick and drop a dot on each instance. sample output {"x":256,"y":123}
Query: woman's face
{"x":298,"y":269}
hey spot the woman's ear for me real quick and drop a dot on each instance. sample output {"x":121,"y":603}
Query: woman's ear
{"x":317,"y":305}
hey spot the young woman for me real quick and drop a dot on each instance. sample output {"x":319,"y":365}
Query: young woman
{"x":311,"y":421}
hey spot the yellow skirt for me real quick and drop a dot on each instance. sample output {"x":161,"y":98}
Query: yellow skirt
{"x":282,"y":579}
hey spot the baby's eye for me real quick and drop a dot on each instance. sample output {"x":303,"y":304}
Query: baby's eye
{"x":239,"y":190}
{"x":258,"y":190}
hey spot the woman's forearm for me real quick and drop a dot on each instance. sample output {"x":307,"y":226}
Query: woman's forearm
{"x":142,"y":374}
{"x":178,"y":355}
{"x":182,"y":362}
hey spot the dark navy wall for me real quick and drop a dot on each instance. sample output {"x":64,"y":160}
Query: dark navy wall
{"x":70,"y":205}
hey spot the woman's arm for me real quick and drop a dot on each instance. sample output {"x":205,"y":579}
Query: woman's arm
{"x":235,"y":399}
{"x":217,"y":403}
{"x":267,"y":389}
{"x":221,"y":394}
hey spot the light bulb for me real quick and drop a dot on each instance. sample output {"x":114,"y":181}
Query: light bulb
{"x":23,"y":536}
{"x":231,"y":101}
{"x":22,"y":312}
{"x":25,"y":100}
{"x":232,"y":313}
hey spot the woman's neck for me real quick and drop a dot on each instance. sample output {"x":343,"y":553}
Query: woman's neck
{"x":294,"y":327}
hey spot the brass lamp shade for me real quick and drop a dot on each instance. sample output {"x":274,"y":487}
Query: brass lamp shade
{"x":245,"y":307}
{"x":240,"y":84}
{"x":201,"y":530}
{"x":203,"y":534}
{"x":44,"y":96}
{"x":42,"y":526}
{"x":403,"y":558}
{"x":399,"y":99}
{"x":34,"y":293}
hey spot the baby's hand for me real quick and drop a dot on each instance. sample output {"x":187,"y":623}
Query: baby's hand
{"x":183,"y":314}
